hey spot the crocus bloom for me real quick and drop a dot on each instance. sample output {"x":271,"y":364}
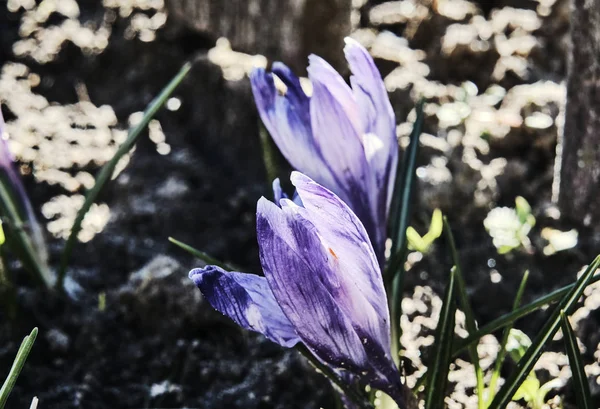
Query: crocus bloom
{"x":344,"y":138}
{"x":322,"y":286}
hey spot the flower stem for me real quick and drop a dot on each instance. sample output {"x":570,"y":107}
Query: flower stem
{"x":350,"y":392}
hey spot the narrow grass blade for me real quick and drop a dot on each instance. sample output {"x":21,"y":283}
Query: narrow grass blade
{"x":108,"y":169}
{"x":463,"y":300}
{"x":350,"y":392}
{"x":202,"y":255}
{"x":444,"y":335}
{"x":400,"y":217}
{"x":269,"y":153}
{"x":580,"y":382}
{"x":508,"y":320}
{"x":8,"y":293}
{"x":401,"y":201}
{"x":502,"y":353}
{"x":25,"y":234}
{"x":30,"y":251}
{"x":525,"y":365}
{"x":17,"y":366}
{"x":511,"y":317}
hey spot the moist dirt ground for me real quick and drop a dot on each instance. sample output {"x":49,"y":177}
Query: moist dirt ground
{"x":133,"y":331}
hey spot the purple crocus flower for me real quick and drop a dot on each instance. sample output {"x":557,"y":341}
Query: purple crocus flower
{"x":322,"y":286}
{"x":344,"y":138}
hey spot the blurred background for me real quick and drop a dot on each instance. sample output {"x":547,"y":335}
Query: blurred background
{"x":74,"y":75}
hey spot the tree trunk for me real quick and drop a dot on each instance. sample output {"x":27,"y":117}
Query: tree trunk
{"x":580,"y":159}
{"x":284,"y":30}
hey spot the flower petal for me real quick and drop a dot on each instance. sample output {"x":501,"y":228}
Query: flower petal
{"x":376,"y":113}
{"x":337,"y":132}
{"x":313,"y":295}
{"x":355,"y":279}
{"x":278,"y":193}
{"x":335,"y":125}
{"x":295,"y":263}
{"x":379,"y":129}
{"x":287,"y":118}
{"x":352,"y":258}
{"x":247,"y":300}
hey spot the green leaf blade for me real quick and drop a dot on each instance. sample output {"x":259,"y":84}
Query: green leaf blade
{"x":400,"y":207}
{"x":208,"y":259}
{"x":465,"y":306}
{"x":108,"y":169}
{"x":511,"y":317}
{"x":533,"y":353}
{"x":399,"y":219}
{"x":17,"y":367}
{"x":580,"y":382}
{"x":506,"y":333}
{"x":444,"y":335}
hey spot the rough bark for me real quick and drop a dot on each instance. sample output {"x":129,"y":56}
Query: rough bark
{"x":285,"y":30}
{"x":580,"y":159}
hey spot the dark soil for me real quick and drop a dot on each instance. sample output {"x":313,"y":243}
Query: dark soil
{"x":155,"y":342}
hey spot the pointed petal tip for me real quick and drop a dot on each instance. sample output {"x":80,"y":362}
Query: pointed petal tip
{"x":319,"y":69}
{"x":276,"y":185}
{"x":262,"y":203}
{"x":261,"y":81}
{"x":357,"y":55}
{"x":300,"y":181}
{"x":282,"y":70}
{"x":297,"y":176}
{"x":266,"y":210}
{"x":351,"y":42}
{"x":278,"y":193}
{"x":303,"y":182}
{"x":257,"y":72}
{"x":193,"y":273}
{"x":197,"y":274}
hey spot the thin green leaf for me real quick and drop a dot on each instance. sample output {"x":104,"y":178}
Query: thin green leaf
{"x":400,"y":215}
{"x":526,"y":364}
{"x":511,"y":317}
{"x":470,"y":321}
{"x":502,"y":353}
{"x":202,"y":255}
{"x":444,"y":335}
{"x":8,"y":293}
{"x":17,"y":366}
{"x":401,"y":200}
{"x":580,"y":382}
{"x":21,"y":242}
{"x":269,"y":153}
{"x":108,"y":169}
{"x":349,"y":391}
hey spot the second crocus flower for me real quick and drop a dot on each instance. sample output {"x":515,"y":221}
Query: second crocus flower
{"x":322,"y":287}
{"x":344,"y":138}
